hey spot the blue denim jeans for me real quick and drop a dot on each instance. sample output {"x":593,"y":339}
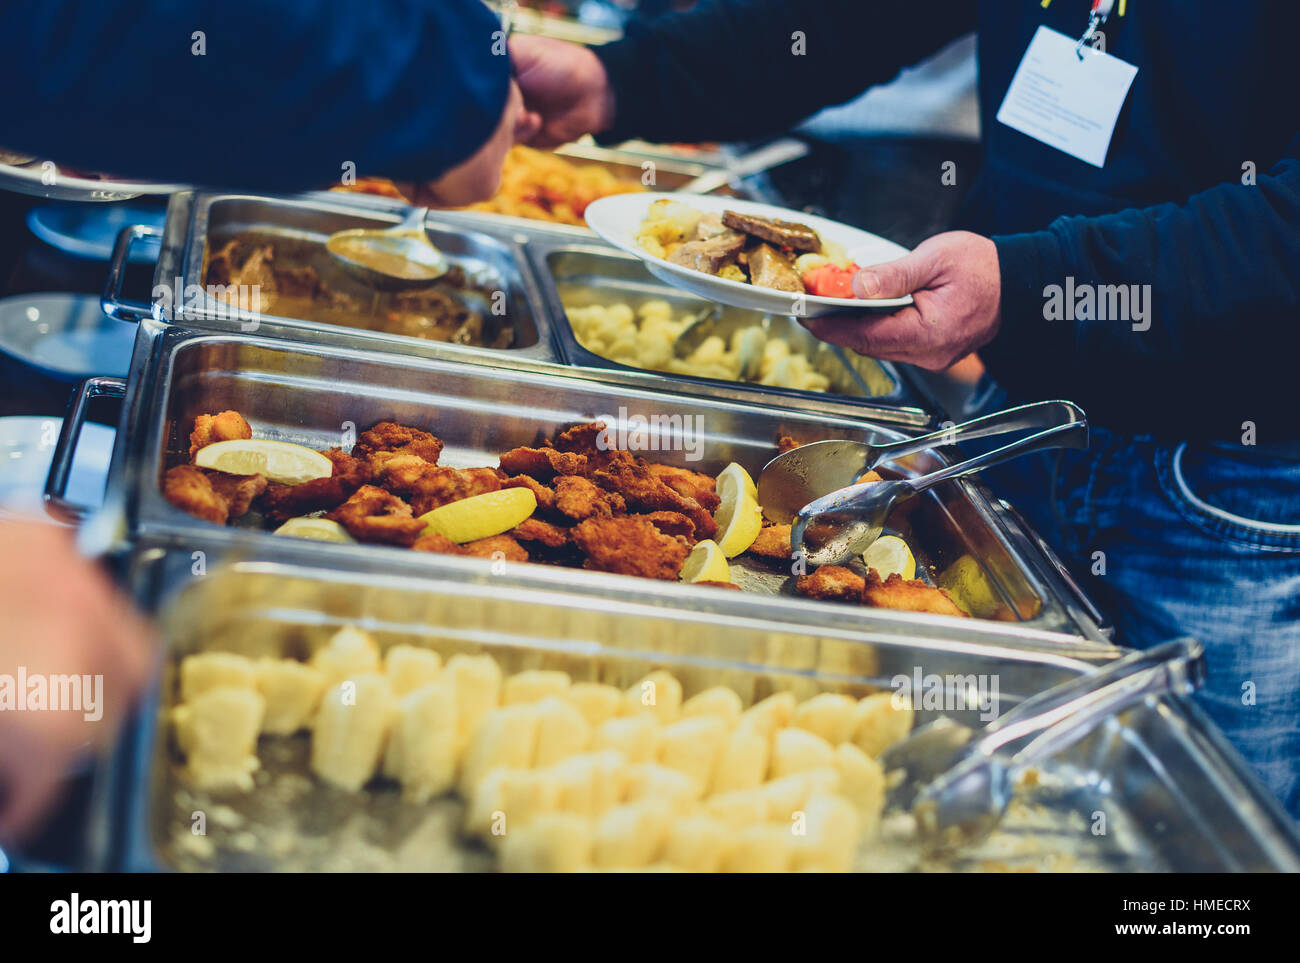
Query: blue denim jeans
{"x":1189,"y":539}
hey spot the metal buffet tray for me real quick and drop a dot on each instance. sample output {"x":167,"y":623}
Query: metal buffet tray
{"x":1173,"y":796}
{"x":198,"y":224}
{"x":579,"y":275}
{"x":315,"y":395}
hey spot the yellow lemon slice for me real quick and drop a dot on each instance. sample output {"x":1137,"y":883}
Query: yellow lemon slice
{"x":970,"y":588}
{"x":733,"y":474}
{"x":480,"y":516}
{"x":706,"y":563}
{"x":889,"y":554}
{"x":739,"y":518}
{"x":319,"y":529}
{"x":279,"y":461}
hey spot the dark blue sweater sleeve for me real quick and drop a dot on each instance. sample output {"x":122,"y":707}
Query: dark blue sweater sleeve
{"x":1223,"y":270}
{"x":736,"y":69}
{"x":248,"y":93}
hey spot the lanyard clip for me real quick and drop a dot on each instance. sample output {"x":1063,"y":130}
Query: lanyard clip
{"x":1095,"y":20}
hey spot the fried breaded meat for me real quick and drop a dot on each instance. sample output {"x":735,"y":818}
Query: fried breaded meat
{"x":630,"y":546}
{"x":372,"y":514}
{"x":225,"y":426}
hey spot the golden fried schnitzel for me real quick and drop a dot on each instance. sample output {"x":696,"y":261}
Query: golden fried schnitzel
{"x":213,"y":496}
{"x":907,"y":595}
{"x":282,"y":502}
{"x":374,"y":515}
{"x":390,"y":436}
{"x":630,"y":546}
{"x":226,"y":426}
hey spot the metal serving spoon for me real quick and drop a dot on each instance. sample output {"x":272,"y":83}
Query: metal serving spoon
{"x":792,"y":480}
{"x":393,"y":258}
{"x":836,"y":527}
{"x":958,"y":781}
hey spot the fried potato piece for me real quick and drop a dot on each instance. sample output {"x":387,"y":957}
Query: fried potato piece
{"x":282,"y":502}
{"x":226,"y":426}
{"x":691,"y":484}
{"x":579,"y":499}
{"x":536,"y":530}
{"x":831,"y":582}
{"x":390,"y":436}
{"x":212,"y":496}
{"x":631,"y":546}
{"x":542,"y":464}
{"x":907,"y":595}
{"x":644,"y":492}
{"x":773,"y":542}
{"x":545,"y":496}
{"x":374,"y":515}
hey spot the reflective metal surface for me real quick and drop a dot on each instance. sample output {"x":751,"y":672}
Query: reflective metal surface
{"x":1172,"y":795}
{"x":321,"y":396}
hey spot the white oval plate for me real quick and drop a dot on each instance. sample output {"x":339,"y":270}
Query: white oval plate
{"x":618,"y":219}
{"x":31,"y":179}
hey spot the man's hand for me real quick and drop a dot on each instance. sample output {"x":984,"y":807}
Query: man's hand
{"x":566,"y":91}
{"x":62,"y":617}
{"x":956,"y":287}
{"x":478,"y":178}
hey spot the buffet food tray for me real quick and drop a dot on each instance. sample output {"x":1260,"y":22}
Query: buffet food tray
{"x":580,"y":275}
{"x":321,"y":395}
{"x":196,"y":222}
{"x":1166,"y":790}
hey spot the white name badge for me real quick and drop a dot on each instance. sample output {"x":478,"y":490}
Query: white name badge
{"x":1068,"y":103}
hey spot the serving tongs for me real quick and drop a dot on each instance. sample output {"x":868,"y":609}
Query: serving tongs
{"x":828,"y":529}
{"x":957,"y":782}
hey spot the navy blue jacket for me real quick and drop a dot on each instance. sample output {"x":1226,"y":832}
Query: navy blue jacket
{"x":285,"y":93}
{"x":1216,"y":91}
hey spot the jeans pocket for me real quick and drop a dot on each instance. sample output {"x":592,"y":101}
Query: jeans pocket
{"x":1235,"y":496}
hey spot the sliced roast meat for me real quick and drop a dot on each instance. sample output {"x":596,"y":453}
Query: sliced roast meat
{"x":709,"y":256}
{"x":769,"y":268}
{"x":709,"y":225}
{"x":781,"y":233}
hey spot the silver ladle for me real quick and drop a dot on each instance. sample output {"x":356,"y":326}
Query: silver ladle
{"x":393,"y":258}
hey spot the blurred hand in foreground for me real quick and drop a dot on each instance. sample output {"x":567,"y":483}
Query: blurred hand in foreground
{"x":566,"y":91}
{"x":956,"y":288}
{"x":60,"y":616}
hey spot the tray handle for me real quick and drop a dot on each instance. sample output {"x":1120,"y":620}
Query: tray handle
{"x":56,"y":483}
{"x":114,"y":305}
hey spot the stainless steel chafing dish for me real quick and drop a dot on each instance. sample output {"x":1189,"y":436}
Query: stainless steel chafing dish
{"x":197,"y":223}
{"x":1169,"y":793}
{"x":578,"y":275}
{"x":315,"y":395}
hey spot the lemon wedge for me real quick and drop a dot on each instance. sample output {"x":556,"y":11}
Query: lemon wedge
{"x":480,"y":516}
{"x":279,"y":461}
{"x":318,"y":529}
{"x":733,"y":474}
{"x":706,"y":563}
{"x":738,"y":516}
{"x":889,"y":554}
{"x":970,"y":588}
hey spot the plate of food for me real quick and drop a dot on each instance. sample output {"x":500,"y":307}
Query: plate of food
{"x":43,"y":178}
{"x":743,"y":253}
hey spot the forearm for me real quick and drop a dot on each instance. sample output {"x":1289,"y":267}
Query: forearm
{"x":733,"y":69}
{"x":1215,"y":277}
{"x":278,"y":96}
